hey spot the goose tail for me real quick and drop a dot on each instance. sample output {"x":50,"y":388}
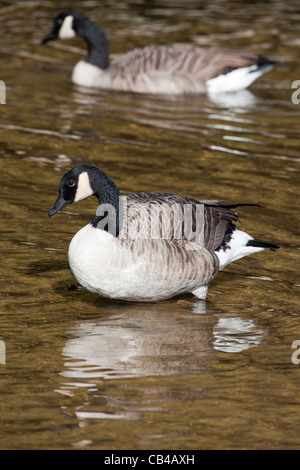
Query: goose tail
{"x":241,"y":77}
{"x":255,"y":243}
{"x":239,"y":245}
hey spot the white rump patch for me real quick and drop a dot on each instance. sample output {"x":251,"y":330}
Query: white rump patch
{"x":66,"y":30}
{"x":83,"y":188}
{"x":238,"y":79}
{"x":237,"y":248}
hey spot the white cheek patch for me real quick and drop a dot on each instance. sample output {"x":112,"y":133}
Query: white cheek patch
{"x":83,"y":188}
{"x":66,"y":30}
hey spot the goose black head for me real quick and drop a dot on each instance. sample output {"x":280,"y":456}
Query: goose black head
{"x":74,"y":186}
{"x":65,"y":26}
{"x":69,"y":24}
{"x":87,"y":180}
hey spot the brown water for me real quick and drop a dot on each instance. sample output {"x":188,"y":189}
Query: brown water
{"x":79,"y":371}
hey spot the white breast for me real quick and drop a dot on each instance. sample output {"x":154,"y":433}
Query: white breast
{"x":90,"y":252}
{"x":89,"y":75}
{"x":121,"y":269}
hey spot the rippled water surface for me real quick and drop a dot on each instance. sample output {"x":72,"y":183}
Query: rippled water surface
{"x":79,"y":371}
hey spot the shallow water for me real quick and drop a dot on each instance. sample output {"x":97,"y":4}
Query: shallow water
{"x":79,"y":371}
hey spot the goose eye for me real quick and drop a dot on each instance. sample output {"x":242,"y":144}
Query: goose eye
{"x":71,"y":183}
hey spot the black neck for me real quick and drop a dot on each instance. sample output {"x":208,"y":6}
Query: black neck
{"x":110,"y":211}
{"x":98,"y":50}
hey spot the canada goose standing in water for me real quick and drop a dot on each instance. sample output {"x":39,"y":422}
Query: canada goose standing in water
{"x":150,"y":246}
{"x":167,"y":69}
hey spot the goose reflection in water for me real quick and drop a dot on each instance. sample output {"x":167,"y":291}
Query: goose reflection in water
{"x":146,"y":340}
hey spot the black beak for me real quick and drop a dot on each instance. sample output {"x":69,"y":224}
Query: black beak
{"x":51,"y":36}
{"x":60,"y":203}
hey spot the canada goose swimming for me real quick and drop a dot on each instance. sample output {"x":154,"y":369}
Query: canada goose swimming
{"x":171,"y":69}
{"x":150,"y":246}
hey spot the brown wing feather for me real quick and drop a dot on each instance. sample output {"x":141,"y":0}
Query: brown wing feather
{"x":202,"y":63}
{"x":206,"y":221}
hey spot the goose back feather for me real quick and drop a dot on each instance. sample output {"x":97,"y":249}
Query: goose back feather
{"x":176,"y":217}
{"x":183,"y":69}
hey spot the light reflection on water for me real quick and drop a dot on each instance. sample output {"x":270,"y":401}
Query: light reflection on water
{"x":234,"y":335}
